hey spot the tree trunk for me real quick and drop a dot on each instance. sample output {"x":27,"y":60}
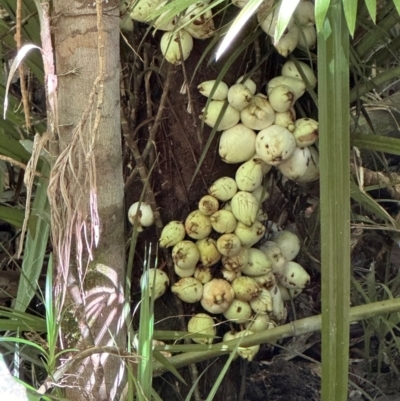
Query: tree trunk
{"x":89,"y":170}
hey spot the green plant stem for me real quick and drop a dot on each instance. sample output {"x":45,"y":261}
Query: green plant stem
{"x":297,"y":328}
{"x":334,"y":147}
{"x":380,"y":79}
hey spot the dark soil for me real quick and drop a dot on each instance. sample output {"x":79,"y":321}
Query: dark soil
{"x":282,"y":381}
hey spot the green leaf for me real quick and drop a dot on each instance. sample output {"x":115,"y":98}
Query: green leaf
{"x":321,"y":8}
{"x":334,"y":124}
{"x":369,"y":203}
{"x":245,"y":14}
{"x":12,"y":320}
{"x":286,"y":11}
{"x":16,"y":217}
{"x":146,"y":328}
{"x":12,"y":148}
{"x":397,"y":5}
{"x":35,"y":246}
{"x":378,"y":143}
{"x":371,"y":6}
{"x":350,"y":12}
{"x":168,"y":366}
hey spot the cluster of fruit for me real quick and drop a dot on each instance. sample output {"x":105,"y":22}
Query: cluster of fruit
{"x":220,"y":267}
{"x":282,"y":140}
{"x":177,"y":41}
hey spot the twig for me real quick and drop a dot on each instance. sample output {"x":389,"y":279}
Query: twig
{"x":154,"y":128}
{"x":143,"y":172}
{"x":391,"y":182}
{"x":24,"y":92}
{"x":157,"y":121}
{"x":80,"y":356}
{"x":190,"y":107}
{"x":257,"y":51}
{"x":18,"y":164}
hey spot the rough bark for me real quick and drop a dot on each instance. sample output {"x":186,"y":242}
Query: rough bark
{"x":98,"y":285}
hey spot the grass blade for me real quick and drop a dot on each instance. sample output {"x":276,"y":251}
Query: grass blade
{"x":146,"y":327}
{"x":35,"y":247}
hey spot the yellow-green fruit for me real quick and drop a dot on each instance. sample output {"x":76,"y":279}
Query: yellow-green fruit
{"x":306,"y":132}
{"x":279,"y":311}
{"x":230,"y":116}
{"x":184,"y":272}
{"x":209,"y":254}
{"x":297,"y":85}
{"x":172,"y":233}
{"x":267,"y":280}
{"x":288,"y":242}
{"x":259,"y":323}
{"x":263,"y":303}
{"x":223,"y":189}
{"x":203,"y":274}
{"x":159,"y":281}
{"x":142,"y":9}
{"x":202,"y":26}
{"x":275,"y":255}
{"x":238,"y":312}
{"x":248,"y":83}
{"x":258,"y":265}
{"x":228,"y":245}
{"x":230,"y":275}
{"x":258,"y":114}
{"x":220,"y":92}
{"x":294,"y":276}
{"x":217,"y":296}
{"x":275,"y":144}
{"x":247,"y":352}
{"x":245,"y":288}
{"x":237,"y":262}
{"x":239,"y":96}
{"x":188,"y":289}
{"x":249,"y":236}
{"x":249,"y":175}
{"x":244,"y":207}
{"x":170,"y":48}
{"x":185,"y":255}
{"x":288,"y":42}
{"x":236,"y":144}
{"x":203,"y":324}
{"x":144,"y":215}
{"x":290,"y":69}
{"x":223,"y":221}
{"x":198,"y":225}
{"x":281,"y":98}
{"x":208,"y":205}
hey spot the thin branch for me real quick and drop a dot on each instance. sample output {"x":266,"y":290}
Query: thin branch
{"x":18,"y":164}
{"x":24,"y":92}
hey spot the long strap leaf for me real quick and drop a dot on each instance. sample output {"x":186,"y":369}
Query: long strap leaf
{"x":333,"y":74}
